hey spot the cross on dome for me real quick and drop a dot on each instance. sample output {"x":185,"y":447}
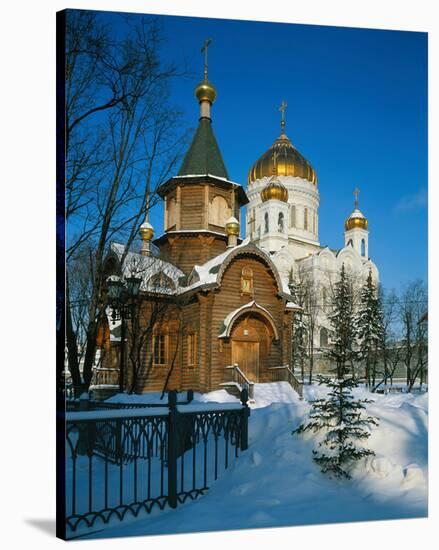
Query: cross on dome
{"x":282,"y":109}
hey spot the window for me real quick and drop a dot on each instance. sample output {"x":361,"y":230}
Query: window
{"x":161,"y":283}
{"x":191,"y":349}
{"x":159,"y":346}
{"x":293,"y":216}
{"x":323,"y":337}
{"x":350,"y":243}
{"x":324,"y":298}
{"x":363,"y":247}
{"x":305,"y":219}
{"x":266,"y":222}
{"x":219,"y":211}
{"x":280,"y":223}
{"x":247,"y":280}
{"x":172,"y":211}
{"x":314,"y":223}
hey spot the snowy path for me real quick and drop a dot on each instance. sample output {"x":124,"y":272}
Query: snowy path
{"x":276,"y":483}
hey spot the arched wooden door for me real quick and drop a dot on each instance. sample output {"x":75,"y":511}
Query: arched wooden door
{"x":250,"y":344}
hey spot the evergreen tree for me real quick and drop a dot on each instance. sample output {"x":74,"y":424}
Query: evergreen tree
{"x":340,"y":416}
{"x":342,"y":318}
{"x":369,"y":328}
{"x":300,"y":334}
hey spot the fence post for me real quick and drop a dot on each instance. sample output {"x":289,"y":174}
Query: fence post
{"x":244,"y":420}
{"x":190,"y":395}
{"x":83,"y":427}
{"x":172,"y":449}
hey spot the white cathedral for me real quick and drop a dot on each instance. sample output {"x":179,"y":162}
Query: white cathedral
{"x":282,"y":218}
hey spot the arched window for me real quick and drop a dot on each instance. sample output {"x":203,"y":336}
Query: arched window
{"x":363,"y":247}
{"x":172,"y":212}
{"x":305,"y":219}
{"x":161,"y":283}
{"x":292,"y":216}
{"x":350,"y":243}
{"x":266,"y":227}
{"x":247,"y":280}
{"x":219,"y":211}
{"x":280,"y":222}
{"x":323,"y":337}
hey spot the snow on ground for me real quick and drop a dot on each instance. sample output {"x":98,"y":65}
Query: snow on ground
{"x":276,"y":483}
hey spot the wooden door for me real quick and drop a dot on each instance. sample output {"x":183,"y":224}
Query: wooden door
{"x":246,"y":355}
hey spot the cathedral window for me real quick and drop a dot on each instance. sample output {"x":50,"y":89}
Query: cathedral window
{"x":266,"y":222}
{"x":305,"y":220}
{"x":324,"y":299}
{"x":280,"y":223}
{"x":219,"y":211}
{"x":323,"y":337}
{"x":247,"y":280}
{"x":363,"y":247}
{"x":293,"y":216}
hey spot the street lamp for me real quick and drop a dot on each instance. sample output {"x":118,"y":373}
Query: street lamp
{"x":121,"y":298}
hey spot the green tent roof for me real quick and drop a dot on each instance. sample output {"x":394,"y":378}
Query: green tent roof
{"x":204,"y":156}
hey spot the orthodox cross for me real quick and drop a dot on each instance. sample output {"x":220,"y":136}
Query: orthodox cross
{"x":282,"y":109}
{"x":356,"y":193}
{"x":204,"y":50}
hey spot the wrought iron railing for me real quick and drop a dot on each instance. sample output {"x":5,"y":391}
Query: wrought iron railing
{"x":285,"y":374}
{"x":123,"y":462}
{"x":236,"y":376}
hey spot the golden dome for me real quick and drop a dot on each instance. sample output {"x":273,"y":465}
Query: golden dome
{"x":146,"y":231}
{"x":288,"y":162}
{"x":205,"y":91}
{"x":274,"y":190}
{"x":232,"y":226}
{"x":356,"y":220}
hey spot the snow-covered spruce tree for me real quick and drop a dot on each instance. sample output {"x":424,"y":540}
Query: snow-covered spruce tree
{"x":300,"y":333}
{"x":342,"y":318}
{"x":369,"y":328}
{"x":339,"y":415}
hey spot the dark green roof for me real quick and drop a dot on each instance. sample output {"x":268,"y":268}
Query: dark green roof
{"x":204,"y":156}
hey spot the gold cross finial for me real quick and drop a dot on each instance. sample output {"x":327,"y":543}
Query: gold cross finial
{"x":356,"y":193}
{"x":282,"y":109}
{"x":204,"y":50}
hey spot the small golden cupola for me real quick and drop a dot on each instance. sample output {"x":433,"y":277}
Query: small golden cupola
{"x":357,"y":220}
{"x":274,"y":188}
{"x":289,"y":162}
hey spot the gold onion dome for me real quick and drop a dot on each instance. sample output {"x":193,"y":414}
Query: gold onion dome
{"x":146,"y":231}
{"x":205,"y":91}
{"x":357,"y":220}
{"x":288,"y":162}
{"x":274,"y":190}
{"x":232,"y":226}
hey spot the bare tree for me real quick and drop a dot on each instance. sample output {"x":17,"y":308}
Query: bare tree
{"x":413,"y":305}
{"x":121,"y":143}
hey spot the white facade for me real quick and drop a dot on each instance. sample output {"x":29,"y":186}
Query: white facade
{"x":296,"y":250}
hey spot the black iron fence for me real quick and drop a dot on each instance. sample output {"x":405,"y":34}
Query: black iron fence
{"x":122,"y":462}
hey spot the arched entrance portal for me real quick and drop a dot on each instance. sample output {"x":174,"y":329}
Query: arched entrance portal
{"x":251,"y":339}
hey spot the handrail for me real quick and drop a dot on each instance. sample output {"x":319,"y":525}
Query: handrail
{"x":290,"y":377}
{"x":240,"y":378}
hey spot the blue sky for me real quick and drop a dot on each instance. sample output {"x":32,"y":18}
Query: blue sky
{"x":357,"y":110}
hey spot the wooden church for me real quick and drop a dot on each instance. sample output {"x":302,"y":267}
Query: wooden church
{"x":213,"y":309}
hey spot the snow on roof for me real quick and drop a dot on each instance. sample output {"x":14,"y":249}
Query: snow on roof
{"x":157,"y":275}
{"x":229,"y":318}
{"x":209,"y":175}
